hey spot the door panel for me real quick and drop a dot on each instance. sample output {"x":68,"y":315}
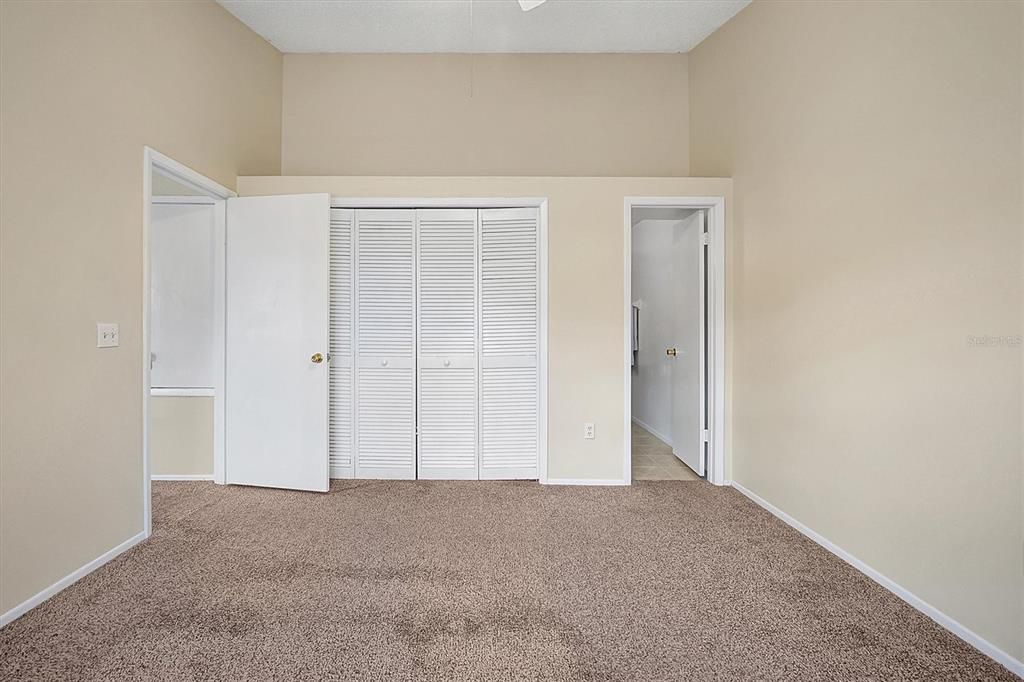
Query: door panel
{"x":342,"y":365}
{"x":509,"y":318}
{"x":687,"y":365}
{"x":385,"y":397}
{"x":508,"y":414}
{"x":386,"y":423}
{"x":447,"y":321}
{"x":277,"y":319}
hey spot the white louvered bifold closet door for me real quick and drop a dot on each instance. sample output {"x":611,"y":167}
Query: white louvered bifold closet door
{"x":385,"y":395}
{"x":509,"y":350}
{"x":447,"y":338}
{"x":341,"y":444}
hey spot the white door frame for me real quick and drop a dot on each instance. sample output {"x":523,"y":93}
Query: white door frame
{"x":212,"y":192}
{"x":715,"y":207}
{"x":541,"y":204}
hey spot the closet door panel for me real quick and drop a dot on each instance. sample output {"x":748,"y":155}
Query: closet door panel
{"x":447,"y":343}
{"x":341,"y":426}
{"x":509,"y":319}
{"x":509,"y":420}
{"x":385,"y":343}
{"x":447,"y":424}
{"x":386,"y":423}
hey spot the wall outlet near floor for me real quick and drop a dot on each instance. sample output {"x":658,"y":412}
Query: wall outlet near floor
{"x":588,"y":431}
{"x":107,"y":335}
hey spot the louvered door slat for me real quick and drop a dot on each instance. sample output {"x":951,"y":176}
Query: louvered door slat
{"x":509,"y":418}
{"x":509,"y":335}
{"x":340,"y":426}
{"x":385,"y":342}
{"x":447,"y":343}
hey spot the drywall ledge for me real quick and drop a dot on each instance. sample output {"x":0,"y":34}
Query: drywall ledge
{"x":955,"y":627}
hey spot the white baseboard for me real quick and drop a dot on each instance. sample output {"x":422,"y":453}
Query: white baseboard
{"x":584,"y":481}
{"x":32,"y":602}
{"x":660,"y":436}
{"x":181,"y":477}
{"x":961,"y":631}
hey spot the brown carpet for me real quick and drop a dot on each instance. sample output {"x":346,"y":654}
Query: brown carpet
{"x":472,"y":581}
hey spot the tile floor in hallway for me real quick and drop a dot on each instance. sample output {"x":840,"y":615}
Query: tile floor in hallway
{"x":653,"y":459}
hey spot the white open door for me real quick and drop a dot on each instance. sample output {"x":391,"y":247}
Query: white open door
{"x":688,"y":407}
{"x":277,"y":341}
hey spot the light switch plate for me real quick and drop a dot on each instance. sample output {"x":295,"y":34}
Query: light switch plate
{"x":588,"y":431}
{"x":107,"y":335}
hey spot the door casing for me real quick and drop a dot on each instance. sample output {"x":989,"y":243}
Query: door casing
{"x":715,"y":207}
{"x":154,"y":161}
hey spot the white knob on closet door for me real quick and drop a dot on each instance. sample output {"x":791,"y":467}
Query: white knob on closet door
{"x":383,"y":363}
{"x":447,"y":363}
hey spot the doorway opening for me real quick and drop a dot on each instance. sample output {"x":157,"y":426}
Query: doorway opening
{"x":183,"y":325}
{"x":674,"y":339}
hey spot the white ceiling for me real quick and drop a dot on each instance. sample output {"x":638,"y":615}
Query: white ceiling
{"x":483,"y":25}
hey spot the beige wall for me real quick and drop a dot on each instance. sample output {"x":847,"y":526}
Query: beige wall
{"x":876,"y":155}
{"x":181,"y":436}
{"x":84,"y":87}
{"x":577,"y":115}
{"x":586,"y":351}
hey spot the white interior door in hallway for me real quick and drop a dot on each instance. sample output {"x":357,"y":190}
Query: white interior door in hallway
{"x":689,"y":363}
{"x":434,"y":352}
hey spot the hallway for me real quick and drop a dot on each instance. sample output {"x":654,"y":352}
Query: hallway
{"x":653,"y":459}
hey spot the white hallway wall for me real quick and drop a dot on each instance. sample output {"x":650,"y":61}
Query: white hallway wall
{"x":663,"y":275}
{"x":182,"y":334}
{"x":652,"y":278}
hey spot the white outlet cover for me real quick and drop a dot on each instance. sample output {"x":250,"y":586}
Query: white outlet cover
{"x":108,"y":335}
{"x":588,"y":431}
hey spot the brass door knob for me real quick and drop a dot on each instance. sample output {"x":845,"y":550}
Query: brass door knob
{"x":670,"y":351}
{"x":317,"y":358}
